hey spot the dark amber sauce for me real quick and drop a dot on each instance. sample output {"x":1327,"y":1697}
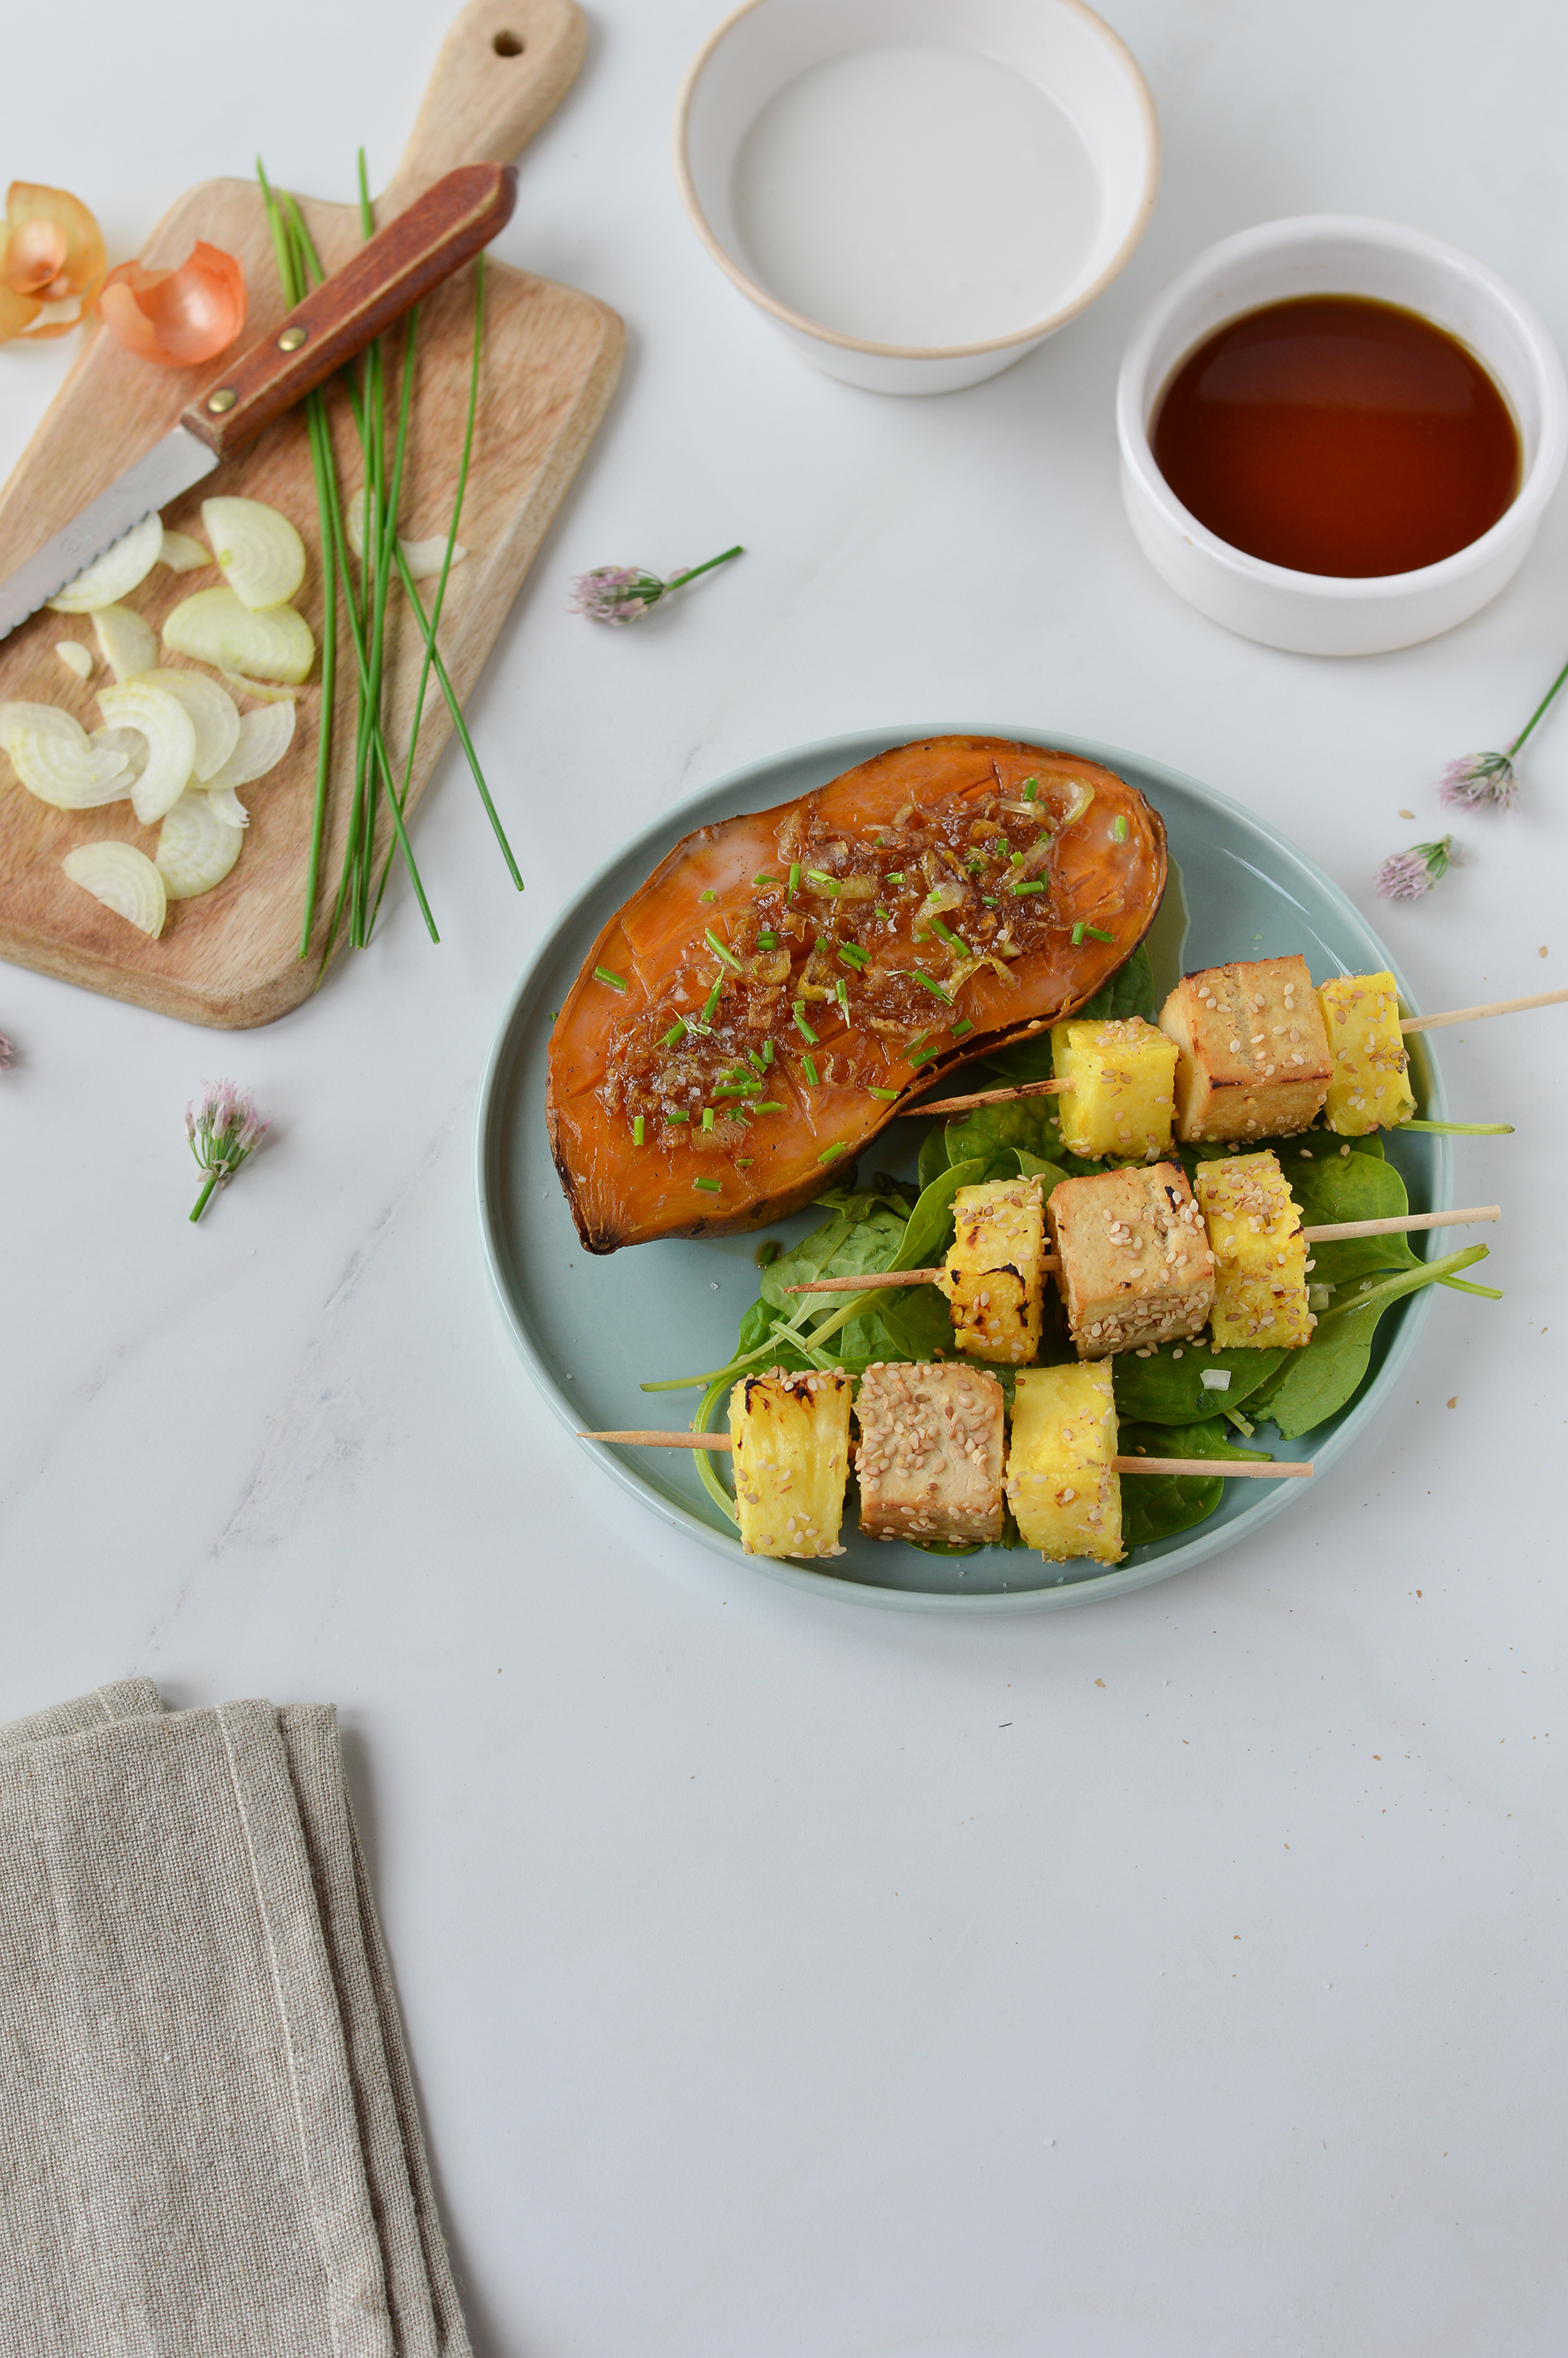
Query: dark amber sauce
{"x":1335,"y":435}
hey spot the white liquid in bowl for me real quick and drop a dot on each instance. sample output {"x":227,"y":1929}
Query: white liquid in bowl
{"x":916,"y":195}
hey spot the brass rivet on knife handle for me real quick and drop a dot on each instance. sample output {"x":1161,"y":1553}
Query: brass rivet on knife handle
{"x":442,"y":230}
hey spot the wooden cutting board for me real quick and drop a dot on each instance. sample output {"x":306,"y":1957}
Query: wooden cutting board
{"x":550,"y":361}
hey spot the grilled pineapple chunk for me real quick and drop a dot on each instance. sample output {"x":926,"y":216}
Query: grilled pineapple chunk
{"x":1255,"y":1230}
{"x":791,"y":1436}
{"x":1061,"y":1484}
{"x":1369,"y":1090}
{"x":1254,"y":1059}
{"x":1117,"y":1103}
{"x":1136,"y":1265}
{"x":993,"y":1278}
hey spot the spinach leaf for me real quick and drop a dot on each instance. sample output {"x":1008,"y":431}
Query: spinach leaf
{"x":863,"y":1232}
{"x":1129,"y":991}
{"x":1163,"y":1389}
{"x":1003,"y":1133}
{"x":1154,"y":1506}
{"x":930,"y":1223}
{"x":1325,"y":1376}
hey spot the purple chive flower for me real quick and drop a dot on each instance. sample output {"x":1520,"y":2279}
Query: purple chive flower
{"x":1477,"y":779}
{"x":624,"y":593}
{"x":1410,"y":874}
{"x":224,"y":1130}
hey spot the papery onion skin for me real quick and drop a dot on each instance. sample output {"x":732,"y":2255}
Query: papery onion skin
{"x":177,"y":317}
{"x":53,"y":253}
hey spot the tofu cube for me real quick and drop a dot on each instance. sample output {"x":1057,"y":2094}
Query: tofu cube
{"x":1369,"y":1088}
{"x":1135,"y":1264}
{"x":791,"y":1436}
{"x":1061,"y":1484}
{"x":1118,"y":1099}
{"x":930,"y":1459}
{"x":1255,"y":1228}
{"x":993,"y":1277}
{"x":1253,"y":1058}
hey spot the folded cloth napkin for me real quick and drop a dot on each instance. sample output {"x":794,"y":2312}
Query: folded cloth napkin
{"x":209,"y":2141}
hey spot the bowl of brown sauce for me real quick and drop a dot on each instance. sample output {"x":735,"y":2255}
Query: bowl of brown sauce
{"x":1338,"y":434}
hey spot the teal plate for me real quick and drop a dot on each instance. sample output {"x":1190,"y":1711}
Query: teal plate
{"x":591,"y":1330}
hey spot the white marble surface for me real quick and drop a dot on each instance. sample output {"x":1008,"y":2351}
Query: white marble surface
{"x":787,"y":1978}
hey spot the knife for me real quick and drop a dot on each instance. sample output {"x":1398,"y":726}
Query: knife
{"x":439,"y":233}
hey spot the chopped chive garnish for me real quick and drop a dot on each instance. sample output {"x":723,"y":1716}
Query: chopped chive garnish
{"x":1118,"y":828}
{"x":752,"y":1058}
{"x":986,"y":899}
{"x":737,"y":1089}
{"x":616,"y":981}
{"x":829,"y":1152}
{"x":707,"y":1117}
{"x":764,"y":879}
{"x":800,"y":1025}
{"x":716,"y":946}
{"x":842,"y":995}
{"x":893,"y":876}
{"x":767,"y":1051}
{"x":767,"y":941}
{"x":879,"y":844}
{"x":768,"y":1105}
{"x":714,"y":1186}
{"x":676,"y":1032}
{"x":920,"y":1056}
{"x":959,"y":1030}
{"x":1016,"y":857}
{"x":1029,"y":790}
{"x":1078,"y":933}
{"x":742,"y":1163}
{"x":931,"y":984}
{"x":793,"y":877}
{"x":881,"y":913}
{"x":974,"y":862}
{"x":852,"y":954}
{"x":953,"y":940}
{"x":1095,"y":934}
{"x":636,"y":1130}
{"x":676,"y":1116}
{"x":1017,"y":889}
{"x":809,"y":1063}
{"x":1043,"y":836}
{"x":709,"y":896}
{"x":712,"y":999}
{"x":888,"y":1096}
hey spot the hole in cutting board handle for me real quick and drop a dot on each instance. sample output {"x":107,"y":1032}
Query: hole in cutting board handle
{"x":507,"y":44}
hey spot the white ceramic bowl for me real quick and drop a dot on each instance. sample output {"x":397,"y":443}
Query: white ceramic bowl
{"x":1059,"y":45}
{"x":1340,"y":253}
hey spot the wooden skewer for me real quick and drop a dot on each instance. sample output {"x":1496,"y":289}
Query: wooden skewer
{"x":1273,"y":1471}
{"x":1340,"y":1231}
{"x":1473,"y":1014}
{"x":1407,"y":1023}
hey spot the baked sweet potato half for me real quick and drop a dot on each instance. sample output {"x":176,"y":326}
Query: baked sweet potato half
{"x":786,"y":983}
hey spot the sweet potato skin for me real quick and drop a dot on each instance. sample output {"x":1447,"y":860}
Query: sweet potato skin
{"x":623,"y":1193}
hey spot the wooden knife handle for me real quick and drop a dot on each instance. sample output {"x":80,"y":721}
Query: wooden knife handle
{"x":440,"y":231}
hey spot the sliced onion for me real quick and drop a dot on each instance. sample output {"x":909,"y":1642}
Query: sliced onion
{"x":263,"y":739}
{"x":179,"y":318}
{"x":196,"y":846}
{"x":265,"y":691}
{"x":423,"y":558}
{"x":110,"y":577}
{"x":213,"y":626}
{"x":53,"y":719}
{"x":124,"y":879}
{"x":259,"y":554}
{"x":228,"y":805}
{"x":73,"y":776}
{"x":129,"y":641}
{"x":51,"y":262}
{"x":170,"y":733}
{"x":75,"y":657}
{"x":128,"y":742}
{"x":181,"y":554}
{"x":214,"y":712}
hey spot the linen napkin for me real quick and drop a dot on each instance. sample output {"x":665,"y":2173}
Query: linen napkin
{"x":210,"y":2145}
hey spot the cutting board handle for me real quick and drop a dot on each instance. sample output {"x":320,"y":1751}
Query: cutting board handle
{"x":502,"y":69}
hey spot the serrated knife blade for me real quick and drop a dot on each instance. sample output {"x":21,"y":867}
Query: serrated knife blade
{"x":171,"y":467}
{"x":440,"y":231}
